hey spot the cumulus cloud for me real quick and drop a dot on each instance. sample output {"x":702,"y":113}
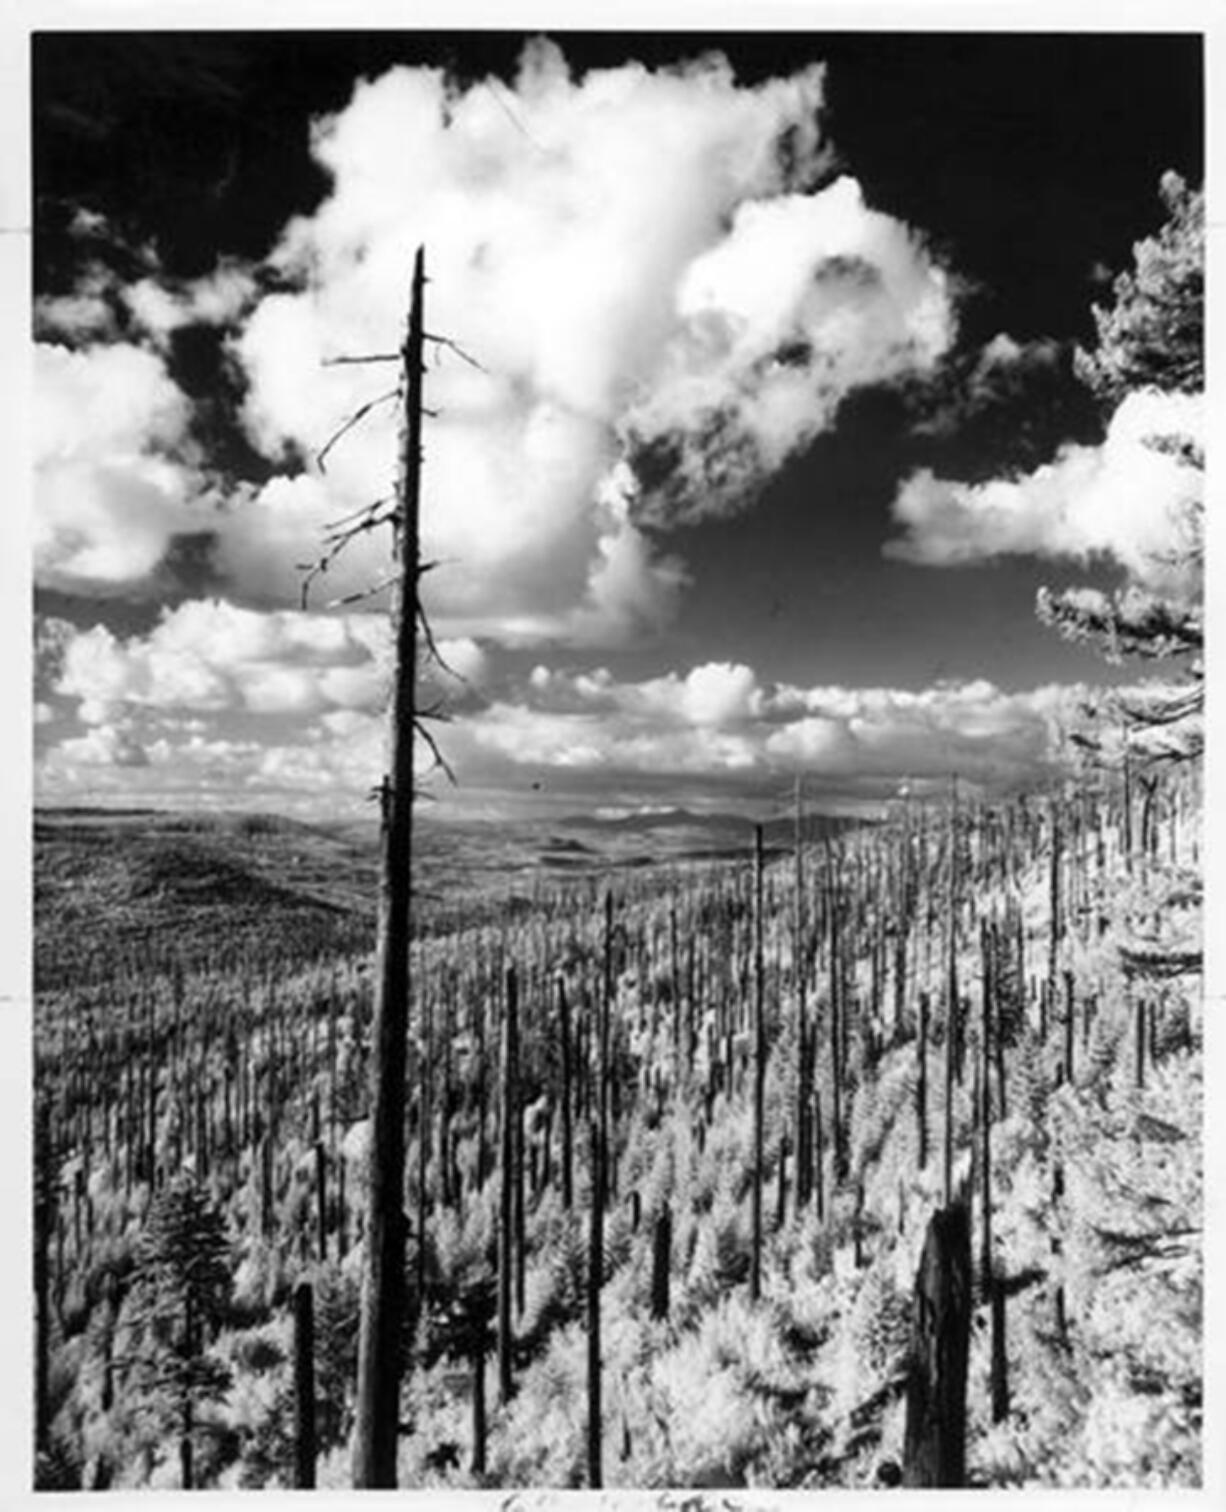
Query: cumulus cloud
{"x":329,"y":764}
{"x":212,"y":656}
{"x":103,"y":745}
{"x":1121,"y":501}
{"x":158,"y":306}
{"x":717,"y":726}
{"x":115,"y":482}
{"x":719,"y":721}
{"x":593,"y":243}
{"x":86,"y":314}
{"x":665,"y":301}
{"x":807,"y":298}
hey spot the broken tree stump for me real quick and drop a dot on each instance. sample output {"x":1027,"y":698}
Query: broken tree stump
{"x":935,"y":1442}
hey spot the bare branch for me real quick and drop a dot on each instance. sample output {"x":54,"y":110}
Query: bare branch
{"x":432,"y":649}
{"x":438,"y":712}
{"x":352,"y":361}
{"x":439,"y":759}
{"x":341,"y":538}
{"x":312,"y":572}
{"x":336,"y":544}
{"x":355,"y":419}
{"x":363,"y":593}
{"x":454,"y":346}
{"x":333,"y":525}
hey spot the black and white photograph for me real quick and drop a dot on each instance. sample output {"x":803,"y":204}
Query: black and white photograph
{"x":618,"y":815}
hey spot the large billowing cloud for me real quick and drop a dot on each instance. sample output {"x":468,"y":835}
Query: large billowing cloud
{"x":805,"y":299}
{"x":665,"y":297}
{"x":1123,"y":501}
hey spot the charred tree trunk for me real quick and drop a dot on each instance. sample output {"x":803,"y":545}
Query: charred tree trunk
{"x":44,"y":1223}
{"x":595,"y":1268}
{"x":479,"y":1428}
{"x":799,"y":975}
{"x":568,"y":1154}
{"x":951,"y":999}
{"x":935,"y":1441}
{"x":506,"y":1211}
{"x":383,"y":1307}
{"x":1000,"y":1358}
{"x":304,"y":1387}
{"x":836,"y":1029}
{"x":759,"y":1078}
{"x":921,"y":1082}
{"x":985,"y":1112}
{"x":599,"y":1196}
{"x":661,"y":1258}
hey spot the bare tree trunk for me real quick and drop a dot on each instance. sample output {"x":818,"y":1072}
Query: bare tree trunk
{"x":798,"y":973}
{"x":1070,"y":1025}
{"x":935,"y":1441}
{"x":985,"y":1125}
{"x":478,"y":1364}
{"x":304,"y":1387}
{"x":506,"y":1179}
{"x":921,"y":1082}
{"x":186,"y":1415}
{"x":44,"y":1222}
{"x":595,"y":1268}
{"x":951,"y":998}
{"x":662,"y":1238}
{"x":599,"y":1195}
{"x":836,"y":1036}
{"x":384,"y":1299}
{"x":1055,"y":904}
{"x":568,"y":1173}
{"x":759,"y":1079}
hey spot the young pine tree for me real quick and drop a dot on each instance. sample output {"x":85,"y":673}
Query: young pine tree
{"x":183,"y":1286}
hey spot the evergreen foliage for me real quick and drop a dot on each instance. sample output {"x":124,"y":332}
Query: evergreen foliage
{"x":1152,"y":338}
{"x":182,"y":1286}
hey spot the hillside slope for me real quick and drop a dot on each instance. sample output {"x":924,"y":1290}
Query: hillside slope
{"x":1066,"y":931}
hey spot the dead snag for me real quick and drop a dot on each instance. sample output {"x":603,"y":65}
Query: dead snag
{"x":935,"y":1439}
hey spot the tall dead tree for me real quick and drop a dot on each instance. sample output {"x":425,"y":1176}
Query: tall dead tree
{"x":304,"y":1386}
{"x":598,"y":1128}
{"x":568,"y":1178}
{"x":951,"y":994}
{"x":506,"y":1183}
{"x":384,"y":1292}
{"x":802,"y":1061}
{"x":759,"y":1068}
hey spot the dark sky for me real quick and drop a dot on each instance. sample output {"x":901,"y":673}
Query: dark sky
{"x":1029,"y":163}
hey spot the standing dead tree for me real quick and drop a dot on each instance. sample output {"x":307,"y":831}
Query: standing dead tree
{"x":384,"y":1306}
{"x":759,"y":1071}
{"x":383,"y":1280}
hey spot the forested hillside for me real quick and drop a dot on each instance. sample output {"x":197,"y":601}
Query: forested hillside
{"x":776,"y":1070}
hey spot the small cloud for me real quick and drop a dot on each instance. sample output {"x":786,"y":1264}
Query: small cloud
{"x":1123,"y":501}
{"x":104,"y":745}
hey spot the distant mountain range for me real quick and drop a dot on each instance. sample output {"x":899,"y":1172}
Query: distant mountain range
{"x":112,"y":881}
{"x":719,"y":829}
